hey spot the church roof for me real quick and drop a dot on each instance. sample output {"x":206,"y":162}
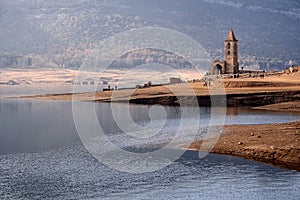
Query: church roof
{"x":231,"y":36}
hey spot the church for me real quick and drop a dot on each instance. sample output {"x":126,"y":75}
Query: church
{"x":230,"y":64}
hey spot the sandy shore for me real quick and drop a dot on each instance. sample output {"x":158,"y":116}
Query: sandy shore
{"x":277,"y":144}
{"x":239,"y":92}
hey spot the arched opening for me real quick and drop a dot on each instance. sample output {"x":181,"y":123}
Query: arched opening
{"x":228,"y":53}
{"x":228,"y":45}
{"x":218,"y":69}
{"x":235,"y":46}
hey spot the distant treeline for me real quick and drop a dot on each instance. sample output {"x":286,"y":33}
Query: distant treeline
{"x":151,"y":56}
{"x":13,"y":61}
{"x":75,"y":60}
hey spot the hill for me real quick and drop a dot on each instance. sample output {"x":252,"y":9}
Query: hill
{"x":60,"y":33}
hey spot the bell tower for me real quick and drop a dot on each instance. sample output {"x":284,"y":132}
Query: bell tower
{"x":231,"y":53}
{"x":230,"y":64}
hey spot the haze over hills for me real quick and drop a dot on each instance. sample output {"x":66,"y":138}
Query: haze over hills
{"x":61,"y":33}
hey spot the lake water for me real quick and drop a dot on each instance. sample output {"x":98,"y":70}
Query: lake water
{"x":41,"y":157}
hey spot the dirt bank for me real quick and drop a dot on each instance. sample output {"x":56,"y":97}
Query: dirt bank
{"x":277,"y":144}
{"x":293,"y":106}
{"x":241,"y":92}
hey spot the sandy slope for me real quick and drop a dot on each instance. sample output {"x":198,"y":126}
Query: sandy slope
{"x":278,"y":144}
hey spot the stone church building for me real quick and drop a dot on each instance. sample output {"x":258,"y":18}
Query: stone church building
{"x":230,"y":64}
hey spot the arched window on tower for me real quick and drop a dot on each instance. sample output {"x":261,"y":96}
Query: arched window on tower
{"x":228,"y":45}
{"x":235,"y":46}
{"x":228,"y":53}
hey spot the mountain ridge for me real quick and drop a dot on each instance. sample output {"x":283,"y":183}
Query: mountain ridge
{"x":63,"y":32}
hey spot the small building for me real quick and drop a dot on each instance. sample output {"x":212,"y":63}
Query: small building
{"x":174,"y":80}
{"x":230,"y":64}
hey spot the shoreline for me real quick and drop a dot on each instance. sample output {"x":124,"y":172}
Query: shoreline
{"x":293,"y":106}
{"x":275,"y":144}
{"x":236,"y":93}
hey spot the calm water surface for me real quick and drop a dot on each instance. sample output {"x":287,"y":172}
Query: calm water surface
{"x":41,"y":157}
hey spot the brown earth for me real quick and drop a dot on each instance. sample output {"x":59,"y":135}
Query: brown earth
{"x":293,"y":106}
{"x":238,"y":92}
{"x":277,"y":144}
